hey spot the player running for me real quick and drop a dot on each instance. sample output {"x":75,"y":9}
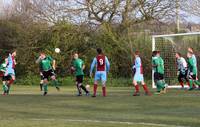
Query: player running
{"x":158,"y":67}
{"x":48,"y":66}
{"x":78,"y":67}
{"x":182,"y":70}
{"x":138,"y":76}
{"x":192,"y":71}
{"x":10,"y":70}
{"x":102,"y":68}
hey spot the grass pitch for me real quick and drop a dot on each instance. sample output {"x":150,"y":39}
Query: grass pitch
{"x":25,"y":107}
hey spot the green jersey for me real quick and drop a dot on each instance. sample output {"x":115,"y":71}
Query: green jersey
{"x":158,"y":65}
{"x":45,"y":64}
{"x":78,"y":65}
{"x":192,"y":66}
{"x":3,"y":66}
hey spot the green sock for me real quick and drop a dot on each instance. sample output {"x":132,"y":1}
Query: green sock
{"x":191,"y":83}
{"x":55,"y":83}
{"x":197,"y":82}
{"x":5,"y":88}
{"x":158,"y":86}
{"x":45,"y":87}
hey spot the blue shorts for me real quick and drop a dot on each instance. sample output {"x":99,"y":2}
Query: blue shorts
{"x":100,"y":76}
{"x":138,"y":77}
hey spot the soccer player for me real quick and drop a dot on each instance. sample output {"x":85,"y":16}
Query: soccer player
{"x":192,"y":71}
{"x":182,"y":69}
{"x":190,"y":49}
{"x":3,"y":68}
{"x":158,"y":67}
{"x":79,"y":66}
{"x":48,"y":66}
{"x":102,"y":68}
{"x":10,"y":71}
{"x":138,"y":76}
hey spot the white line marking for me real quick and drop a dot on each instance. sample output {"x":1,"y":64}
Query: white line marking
{"x":111,"y":122}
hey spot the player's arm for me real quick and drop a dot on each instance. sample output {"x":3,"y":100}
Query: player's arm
{"x":54,"y":64}
{"x":38,"y":60}
{"x":107,"y":64}
{"x":92,"y":66}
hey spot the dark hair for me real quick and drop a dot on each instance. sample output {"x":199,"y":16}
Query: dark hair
{"x":99,"y":50}
{"x":154,"y":53}
{"x":179,"y":54}
{"x":137,"y":52}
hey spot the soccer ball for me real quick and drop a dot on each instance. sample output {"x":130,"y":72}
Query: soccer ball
{"x":57,"y":50}
{"x":88,"y":87}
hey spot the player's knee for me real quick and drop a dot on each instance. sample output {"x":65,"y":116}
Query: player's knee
{"x":53,"y":78}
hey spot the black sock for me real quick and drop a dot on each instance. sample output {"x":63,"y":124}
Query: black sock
{"x":83,"y":87}
{"x":41,"y":85}
{"x":79,"y":89}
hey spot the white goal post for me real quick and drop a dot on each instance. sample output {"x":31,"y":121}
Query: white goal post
{"x":169,"y":44}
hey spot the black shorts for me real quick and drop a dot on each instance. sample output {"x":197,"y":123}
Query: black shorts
{"x":47,"y":74}
{"x":41,"y":77}
{"x":158,"y":76}
{"x":79,"y":79}
{"x":6,"y":78}
{"x":182,"y":76}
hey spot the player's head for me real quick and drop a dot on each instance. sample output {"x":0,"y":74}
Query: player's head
{"x":14,"y":52}
{"x":154,"y":53}
{"x":158,"y":53}
{"x":42,"y":55}
{"x":190,"y":49}
{"x":75,"y":56}
{"x":99,"y":50}
{"x":189,"y":54}
{"x":137,"y":53}
{"x":178,"y":55}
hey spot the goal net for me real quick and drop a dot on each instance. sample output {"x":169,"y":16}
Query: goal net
{"x":169,"y":45}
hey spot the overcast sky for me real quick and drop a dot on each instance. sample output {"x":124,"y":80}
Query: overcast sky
{"x":189,"y":17}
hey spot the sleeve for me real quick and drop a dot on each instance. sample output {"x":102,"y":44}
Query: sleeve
{"x":107,"y":64}
{"x":94,"y":62}
{"x":137,"y":62}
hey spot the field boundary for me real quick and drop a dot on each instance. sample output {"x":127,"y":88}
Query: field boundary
{"x":110,"y":122}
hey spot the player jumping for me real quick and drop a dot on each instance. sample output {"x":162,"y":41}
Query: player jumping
{"x":79,"y":66}
{"x":138,"y":76}
{"x":158,"y":67}
{"x":182,"y":70}
{"x":48,"y":66}
{"x":102,"y":68}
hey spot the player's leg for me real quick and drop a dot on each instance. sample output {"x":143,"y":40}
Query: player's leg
{"x":180,"y":77}
{"x":54,"y":80}
{"x":137,"y":88}
{"x":45,"y":82}
{"x":96,"y":79}
{"x":145,"y":88}
{"x":77,"y":86}
{"x":104,"y":79}
{"x":80,"y":84}
{"x":5,"y":87}
{"x":41,"y":81}
{"x":156,"y":79}
{"x":192,"y":79}
{"x":10,"y":79}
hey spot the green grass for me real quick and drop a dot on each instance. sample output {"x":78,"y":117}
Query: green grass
{"x":25,"y":107}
